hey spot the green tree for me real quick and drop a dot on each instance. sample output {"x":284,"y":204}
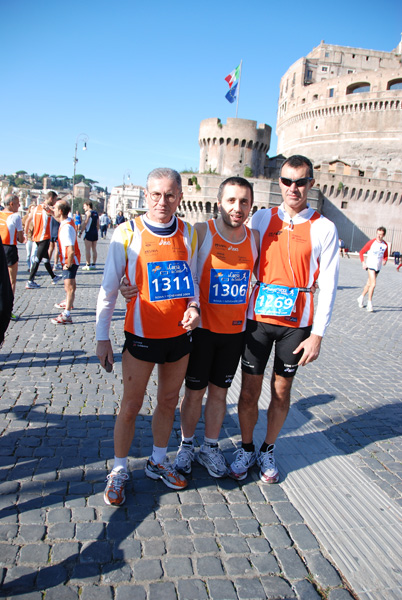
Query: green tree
{"x":22,"y":173}
{"x":248,"y":171}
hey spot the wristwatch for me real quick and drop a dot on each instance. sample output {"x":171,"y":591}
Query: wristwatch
{"x":197,"y":308}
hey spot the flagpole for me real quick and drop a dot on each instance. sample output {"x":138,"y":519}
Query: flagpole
{"x":238,"y":89}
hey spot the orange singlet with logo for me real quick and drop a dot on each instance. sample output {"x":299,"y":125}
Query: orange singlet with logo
{"x":41,"y":220}
{"x":8,"y":227}
{"x":65,"y":239}
{"x":287,"y":258}
{"x":159,"y":265}
{"x":225,"y":270}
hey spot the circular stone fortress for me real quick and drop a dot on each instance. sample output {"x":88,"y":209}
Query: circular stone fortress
{"x":341,"y":107}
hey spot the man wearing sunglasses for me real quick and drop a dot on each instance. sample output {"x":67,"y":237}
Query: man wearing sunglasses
{"x":297,"y":245}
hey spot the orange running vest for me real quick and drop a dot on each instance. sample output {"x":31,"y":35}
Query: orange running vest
{"x":158,"y":318}
{"x":225,"y":270}
{"x":63,"y":249}
{"x":286,"y":259}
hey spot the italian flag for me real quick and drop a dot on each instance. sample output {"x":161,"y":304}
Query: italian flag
{"x":233,"y":76}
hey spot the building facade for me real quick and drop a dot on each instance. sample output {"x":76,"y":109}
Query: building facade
{"x":130,"y":199}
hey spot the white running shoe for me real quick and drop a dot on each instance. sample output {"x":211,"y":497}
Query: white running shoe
{"x":360,"y":301}
{"x":31,"y":285}
{"x":268,"y":469}
{"x":184,"y":458}
{"x":370,"y":307}
{"x":240,"y":466}
{"x":211,"y":457}
{"x":86,"y":268}
{"x":56,"y":279}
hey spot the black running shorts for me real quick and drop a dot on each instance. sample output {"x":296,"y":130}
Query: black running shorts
{"x":260,"y":338}
{"x":158,"y":351}
{"x":214,"y":358}
{"x":11,"y":253}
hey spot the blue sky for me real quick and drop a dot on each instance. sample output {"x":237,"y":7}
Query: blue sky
{"x":138,"y":77}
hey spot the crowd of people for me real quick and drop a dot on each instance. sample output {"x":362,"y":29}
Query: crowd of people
{"x":200,"y":299}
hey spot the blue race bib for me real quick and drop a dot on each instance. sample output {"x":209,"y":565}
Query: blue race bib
{"x":228,"y":286}
{"x":169,"y":279}
{"x":275,"y":300}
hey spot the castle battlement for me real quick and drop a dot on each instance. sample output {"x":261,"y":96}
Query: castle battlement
{"x":227,"y":149}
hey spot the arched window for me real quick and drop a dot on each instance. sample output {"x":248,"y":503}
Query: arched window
{"x":395,"y":84}
{"x":358,"y":88}
{"x":208,"y":207}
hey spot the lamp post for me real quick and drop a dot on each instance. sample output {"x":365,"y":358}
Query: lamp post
{"x":83,"y":137}
{"x":128,"y":175}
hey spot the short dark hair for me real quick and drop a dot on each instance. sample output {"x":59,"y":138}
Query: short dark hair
{"x":165,"y":173}
{"x":64,"y":207}
{"x":88,"y":203}
{"x":51,"y":195}
{"x":240,"y":181}
{"x":382,"y":229}
{"x":297,"y":160}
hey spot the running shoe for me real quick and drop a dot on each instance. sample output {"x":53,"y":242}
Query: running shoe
{"x":268,"y":469}
{"x":370,"y":307}
{"x":31,"y":285}
{"x":56,"y":279}
{"x":211,"y":457}
{"x":14,"y":317}
{"x":92,"y":267}
{"x":360,"y":301}
{"x":62,"y":319}
{"x":167,"y":473}
{"x":114,"y":493}
{"x":86,"y":268}
{"x":184,"y":458}
{"x":62,"y":305}
{"x":242,"y":463}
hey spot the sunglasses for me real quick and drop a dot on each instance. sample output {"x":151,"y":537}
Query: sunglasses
{"x":299,"y":182}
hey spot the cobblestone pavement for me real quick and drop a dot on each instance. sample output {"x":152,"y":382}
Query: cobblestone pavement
{"x":215,"y":540}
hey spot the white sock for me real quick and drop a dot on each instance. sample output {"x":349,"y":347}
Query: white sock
{"x":210,"y":441}
{"x":120,"y":464}
{"x":66,"y":312}
{"x":158,"y":455}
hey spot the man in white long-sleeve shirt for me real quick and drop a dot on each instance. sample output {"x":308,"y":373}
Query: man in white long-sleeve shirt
{"x":159,"y":253}
{"x":297,"y":245}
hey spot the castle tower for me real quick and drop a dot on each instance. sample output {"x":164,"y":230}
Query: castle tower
{"x":343,"y":103}
{"x":229,"y":149}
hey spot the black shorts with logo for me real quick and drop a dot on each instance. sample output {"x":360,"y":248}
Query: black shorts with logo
{"x":158,"y":350}
{"x":214,"y":358}
{"x":260,"y":338}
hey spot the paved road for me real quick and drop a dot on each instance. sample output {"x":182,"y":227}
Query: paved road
{"x":216,"y":539}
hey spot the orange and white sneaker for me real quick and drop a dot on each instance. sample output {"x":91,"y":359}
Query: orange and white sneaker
{"x":114,"y":493}
{"x":166,"y":471}
{"x":62,"y":319}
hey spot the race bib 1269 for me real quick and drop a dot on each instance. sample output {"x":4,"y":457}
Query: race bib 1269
{"x":228,"y":286}
{"x":277,"y":300}
{"x":169,"y":279}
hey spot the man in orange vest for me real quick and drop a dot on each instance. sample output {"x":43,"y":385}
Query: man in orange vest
{"x":41,"y":218}
{"x":11,"y":232}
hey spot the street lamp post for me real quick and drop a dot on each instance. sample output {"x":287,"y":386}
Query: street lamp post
{"x":83,"y":137}
{"x":128,"y":175}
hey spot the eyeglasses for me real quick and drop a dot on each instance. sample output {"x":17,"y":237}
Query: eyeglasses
{"x":157,"y":196}
{"x":299,"y":182}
